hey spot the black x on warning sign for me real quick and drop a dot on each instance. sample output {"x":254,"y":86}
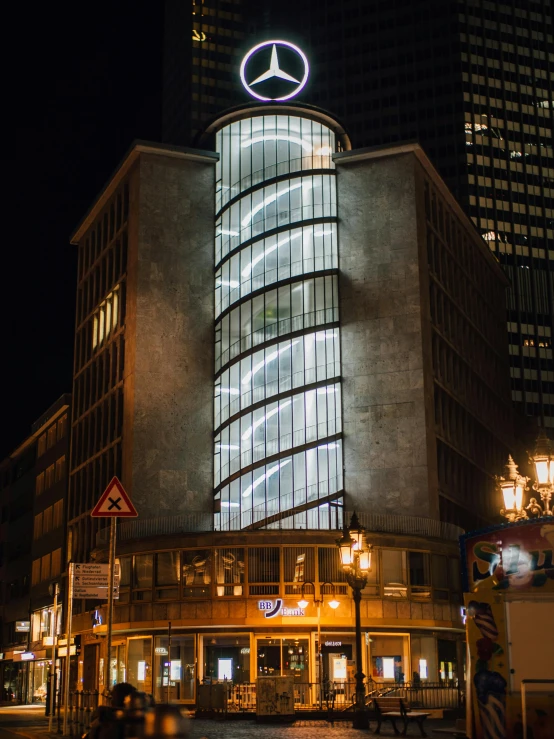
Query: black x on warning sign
{"x":114,"y":502}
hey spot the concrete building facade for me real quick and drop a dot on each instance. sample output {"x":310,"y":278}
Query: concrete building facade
{"x":209,"y":409}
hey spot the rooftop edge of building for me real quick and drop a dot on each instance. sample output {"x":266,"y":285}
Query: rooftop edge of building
{"x":137,"y":148}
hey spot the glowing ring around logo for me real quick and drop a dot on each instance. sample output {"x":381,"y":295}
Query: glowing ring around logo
{"x":270,"y":43}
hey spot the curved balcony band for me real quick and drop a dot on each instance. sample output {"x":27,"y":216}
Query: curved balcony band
{"x":277,"y":414}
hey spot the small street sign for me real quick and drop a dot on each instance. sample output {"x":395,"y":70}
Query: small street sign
{"x":114,"y":503}
{"x":91,"y":580}
{"x":23,"y":626}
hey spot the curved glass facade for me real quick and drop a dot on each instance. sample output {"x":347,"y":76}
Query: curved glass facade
{"x":277,"y":415}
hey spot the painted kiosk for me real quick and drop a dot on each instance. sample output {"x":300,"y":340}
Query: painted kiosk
{"x":509,"y":599}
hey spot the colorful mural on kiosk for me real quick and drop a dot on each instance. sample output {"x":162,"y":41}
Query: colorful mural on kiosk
{"x":505,"y":560}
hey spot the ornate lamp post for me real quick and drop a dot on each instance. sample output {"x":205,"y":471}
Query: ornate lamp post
{"x":355,"y":557}
{"x":334,"y":603}
{"x":513,"y":485}
{"x":543,"y":460}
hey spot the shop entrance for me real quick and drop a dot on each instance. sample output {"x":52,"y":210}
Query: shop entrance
{"x":174,"y":669}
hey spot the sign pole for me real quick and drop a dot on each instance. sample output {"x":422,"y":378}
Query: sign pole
{"x":68,"y":653}
{"x":107,"y":664}
{"x":53,"y":667}
{"x":168,"y":659}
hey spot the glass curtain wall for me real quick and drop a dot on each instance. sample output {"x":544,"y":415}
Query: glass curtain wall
{"x":277,"y":413}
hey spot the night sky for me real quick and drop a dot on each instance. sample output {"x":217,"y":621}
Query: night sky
{"x":81,"y":82}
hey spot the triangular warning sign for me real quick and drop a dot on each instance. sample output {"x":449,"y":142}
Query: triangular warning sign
{"x":114,"y":502}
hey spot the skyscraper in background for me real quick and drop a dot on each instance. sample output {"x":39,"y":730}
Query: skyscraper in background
{"x":471,"y":80}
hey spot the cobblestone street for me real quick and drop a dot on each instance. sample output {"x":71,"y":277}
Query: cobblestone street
{"x":299,"y":730}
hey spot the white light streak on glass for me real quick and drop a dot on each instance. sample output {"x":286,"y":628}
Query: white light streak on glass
{"x":270,"y":357}
{"x":225,"y":232}
{"x":250,"y":430}
{"x":230,"y":390}
{"x":265,"y":476}
{"x":230,"y":283}
{"x":272,"y":198}
{"x":250,"y":266}
{"x":280,"y":137}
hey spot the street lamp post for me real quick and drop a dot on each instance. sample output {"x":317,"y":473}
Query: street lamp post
{"x":334,"y":603}
{"x":513,"y":485}
{"x":355,"y":556}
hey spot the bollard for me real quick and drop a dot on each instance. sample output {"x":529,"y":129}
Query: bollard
{"x":165,"y":722}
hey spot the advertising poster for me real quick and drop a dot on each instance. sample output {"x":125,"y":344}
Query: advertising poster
{"x":501,"y":565}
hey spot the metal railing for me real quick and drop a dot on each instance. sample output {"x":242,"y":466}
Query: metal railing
{"x":408,"y":525}
{"x":82,"y":704}
{"x":340,"y":696}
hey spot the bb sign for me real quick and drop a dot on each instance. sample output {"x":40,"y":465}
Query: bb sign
{"x":274,"y":608}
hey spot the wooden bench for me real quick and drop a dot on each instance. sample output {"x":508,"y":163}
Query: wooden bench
{"x":392,"y":709}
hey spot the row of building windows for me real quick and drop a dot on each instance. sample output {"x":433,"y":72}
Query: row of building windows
{"x":274,"y":206}
{"x":263,"y":571}
{"x":105,"y":229}
{"x":278,"y":257}
{"x":263,"y":147}
{"x":104,"y":324}
{"x":468,"y":487}
{"x":51,"y":475}
{"x":47,"y":567}
{"x":463,"y":431}
{"x":101,"y":375}
{"x":293,"y":307}
{"x":99,"y":428}
{"x":48,"y":520}
{"x":109,"y":271}
{"x":455,"y":328}
{"x":88,"y":482}
{"x":272,"y":429}
{"x":55,"y":433}
{"x":295,"y":484}
{"x":276,"y":368}
{"x":462,"y":381}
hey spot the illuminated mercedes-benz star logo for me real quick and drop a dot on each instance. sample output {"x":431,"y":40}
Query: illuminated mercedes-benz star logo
{"x":275,"y":70}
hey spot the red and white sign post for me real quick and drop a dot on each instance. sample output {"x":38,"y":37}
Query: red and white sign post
{"x":113,"y":504}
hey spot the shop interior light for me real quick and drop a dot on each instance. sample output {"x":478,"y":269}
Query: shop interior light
{"x":308,"y":148}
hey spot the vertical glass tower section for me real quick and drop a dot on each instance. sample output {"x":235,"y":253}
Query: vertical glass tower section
{"x":277,"y":417}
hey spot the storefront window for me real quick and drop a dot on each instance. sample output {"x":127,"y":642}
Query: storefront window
{"x":142,"y":577}
{"x":227,"y":658}
{"x":420,"y":578}
{"x":229,"y":571}
{"x":439,"y":564}
{"x":124,"y":578}
{"x":448,"y":662}
{"x":174,"y":669}
{"x":287,"y":656}
{"x":38,"y":681}
{"x":139,"y":664}
{"x":424,"y":659}
{"x":394,"y":573}
{"x":389,"y":657}
{"x":263,"y":567}
{"x":117,"y":664}
{"x":197,"y":577}
{"x":167,"y":575}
